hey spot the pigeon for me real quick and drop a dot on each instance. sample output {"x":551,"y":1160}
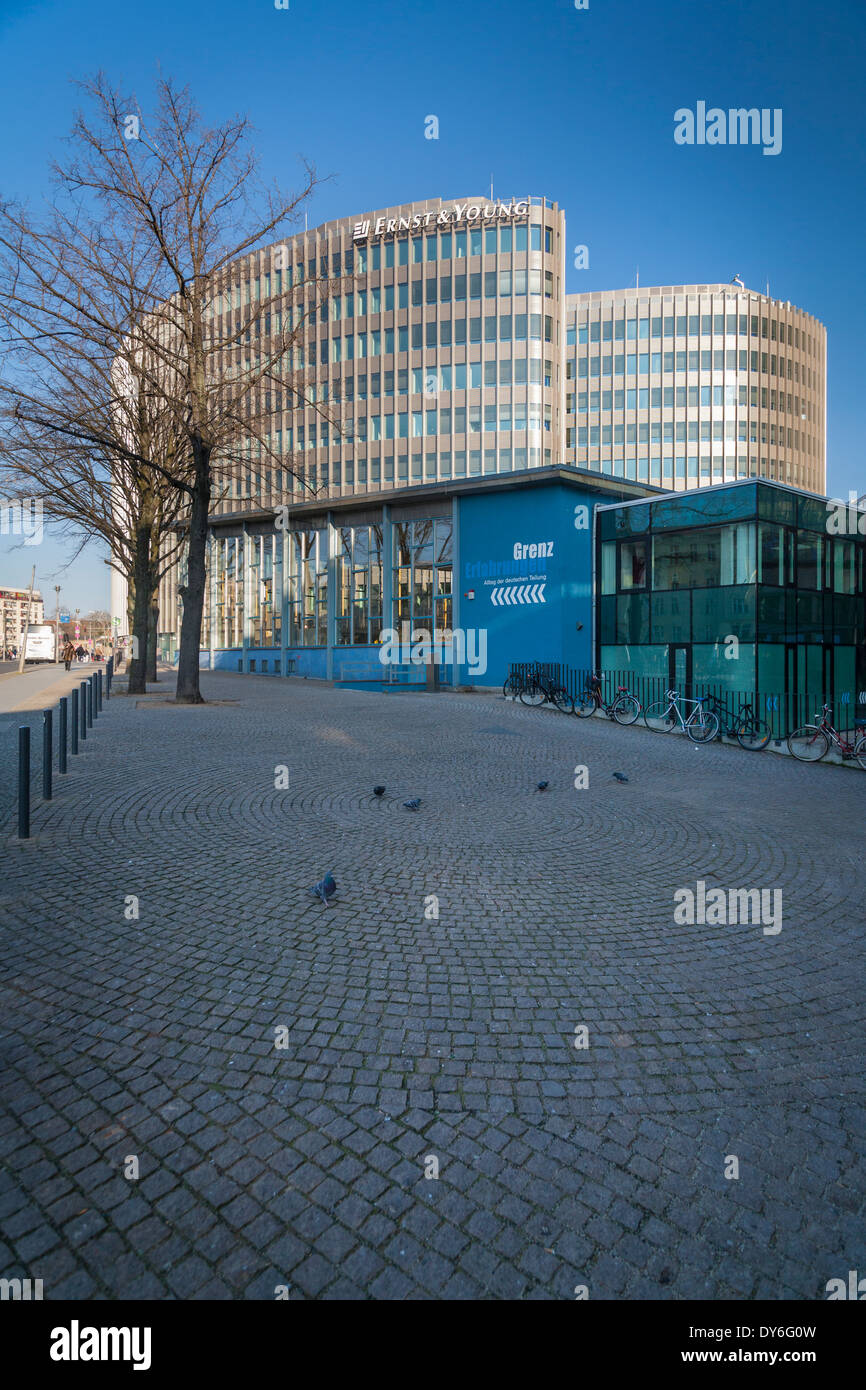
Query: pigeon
{"x":542,"y":786}
{"x":325,"y":889}
{"x":620,"y":776}
{"x":413,"y":804}
{"x":378,"y":791}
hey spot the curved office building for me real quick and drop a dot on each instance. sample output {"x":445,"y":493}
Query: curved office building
{"x":684,"y":386}
{"x":432,"y":454}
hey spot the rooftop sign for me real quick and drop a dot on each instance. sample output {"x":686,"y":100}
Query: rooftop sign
{"x":449,"y":216}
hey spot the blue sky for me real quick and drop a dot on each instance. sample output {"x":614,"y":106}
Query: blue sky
{"x":574,"y":104}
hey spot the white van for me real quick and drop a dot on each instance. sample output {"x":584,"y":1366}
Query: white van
{"x":39,"y":643}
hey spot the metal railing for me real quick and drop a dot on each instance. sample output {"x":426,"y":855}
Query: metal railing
{"x":77,"y":714}
{"x":783,"y":712}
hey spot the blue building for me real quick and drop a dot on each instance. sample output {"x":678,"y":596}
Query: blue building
{"x":477,"y":574}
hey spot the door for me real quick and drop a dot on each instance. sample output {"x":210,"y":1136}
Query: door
{"x":680,"y":669}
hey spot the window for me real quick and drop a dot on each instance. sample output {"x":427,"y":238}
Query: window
{"x":632,"y":565}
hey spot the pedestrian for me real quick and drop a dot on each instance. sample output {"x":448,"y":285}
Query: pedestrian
{"x":79,"y":652}
{"x":68,"y":654}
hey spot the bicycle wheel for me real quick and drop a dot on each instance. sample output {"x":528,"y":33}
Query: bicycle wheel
{"x":561,"y":698}
{"x":860,"y":751}
{"x":753,"y":733}
{"x":511,"y":687}
{"x":661,"y":717}
{"x":531,"y":693}
{"x":584,"y":704}
{"x":808,"y":743}
{"x":625,"y":709}
{"x":702,"y":725}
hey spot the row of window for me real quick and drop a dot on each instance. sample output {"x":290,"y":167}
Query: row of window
{"x":432,"y":380}
{"x":307,"y":479}
{"x":704,"y":360}
{"x":714,"y":615}
{"x":743,"y":553}
{"x":687,"y":397}
{"x":433,"y":246}
{"x":691,"y":326}
{"x":492,"y":284}
{"x":688,"y":432}
{"x":502,"y":328}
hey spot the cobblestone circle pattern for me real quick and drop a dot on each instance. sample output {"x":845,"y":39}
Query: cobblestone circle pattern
{"x":410,"y":1036}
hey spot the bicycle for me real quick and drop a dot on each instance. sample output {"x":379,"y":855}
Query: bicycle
{"x":624,"y":707}
{"x":811,"y":742}
{"x":665,"y":715}
{"x":512,"y":686}
{"x":750,"y":732}
{"x":538,"y":689}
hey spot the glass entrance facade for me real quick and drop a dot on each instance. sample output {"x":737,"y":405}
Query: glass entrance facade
{"x":751,"y":587}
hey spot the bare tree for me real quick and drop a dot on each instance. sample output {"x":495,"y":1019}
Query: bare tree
{"x":136,"y":277}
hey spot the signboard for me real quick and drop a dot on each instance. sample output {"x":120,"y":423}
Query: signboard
{"x":455,"y":215}
{"x":64,"y":617}
{"x":77,"y":630}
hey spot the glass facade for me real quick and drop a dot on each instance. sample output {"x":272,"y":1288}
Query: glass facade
{"x":681,"y":577}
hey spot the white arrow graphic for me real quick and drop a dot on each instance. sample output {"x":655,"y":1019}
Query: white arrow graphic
{"x":541,"y":598}
{"x":494,"y":597}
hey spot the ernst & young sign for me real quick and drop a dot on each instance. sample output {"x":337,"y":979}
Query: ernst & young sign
{"x":445,"y":217}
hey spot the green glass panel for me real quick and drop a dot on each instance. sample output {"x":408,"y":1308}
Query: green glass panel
{"x":810,"y":618}
{"x":721,"y":613}
{"x":713,"y":666}
{"x":607,"y":620}
{"x":671,"y":617}
{"x":777,"y":504}
{"x":812,"y":513}
{"x":632,"y":618}
{"x":771,"y":614}
{"x":705,"y":508}
{"x":638,"y":661}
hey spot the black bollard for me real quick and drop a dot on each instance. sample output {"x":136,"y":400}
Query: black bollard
{"x":75,"y":721}
{"x":24,"y":782}
{"x":109,"y":672}
{"x":99,"y":690}
{"x":90,"y":702}
{"x":83,"y":707}
{"x":61,"y":735}
{"x":47,"y":749}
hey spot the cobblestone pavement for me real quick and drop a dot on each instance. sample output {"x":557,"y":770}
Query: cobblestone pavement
{"x":411,"y":1038}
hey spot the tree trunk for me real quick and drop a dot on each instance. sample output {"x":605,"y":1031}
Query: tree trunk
{"x":137,"y":666}
{"x":152,"y":628}
{"x":192,"y":593}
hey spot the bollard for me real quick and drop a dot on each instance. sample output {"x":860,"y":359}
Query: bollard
{"x":24,"y":782}
{"x":61,"y":735}
{"x":83,"y":707}
{"x":109,"y":672}
{"x":90,"y":702}
{"x":75,"y":721}
{"x":47,"y":749}
{"x":99,"y":691}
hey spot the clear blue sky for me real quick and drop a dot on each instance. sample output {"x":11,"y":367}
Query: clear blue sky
{"x":577,"y":105}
